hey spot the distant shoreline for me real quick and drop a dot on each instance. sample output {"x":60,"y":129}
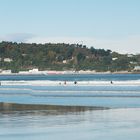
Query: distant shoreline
{"x":68,"y":73}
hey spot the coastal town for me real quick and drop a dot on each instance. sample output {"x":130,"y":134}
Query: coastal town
{"x":51,"y":72}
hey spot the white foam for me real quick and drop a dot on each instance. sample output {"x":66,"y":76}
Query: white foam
{"x":71,"y":83}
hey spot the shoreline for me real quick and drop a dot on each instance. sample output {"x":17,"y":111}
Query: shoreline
{"x":67,"y":73}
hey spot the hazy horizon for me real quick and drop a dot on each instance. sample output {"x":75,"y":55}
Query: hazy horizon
{"x":102,"y":24}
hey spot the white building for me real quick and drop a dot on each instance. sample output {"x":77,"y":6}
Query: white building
{"x":34,"y":71}
{"x":115,"y":58}
{"x":136,"y":68}
{"x":23,"y":72}
{"x":64,"y":61}
{"x":6,"y":72}
{"x":8,"y":60}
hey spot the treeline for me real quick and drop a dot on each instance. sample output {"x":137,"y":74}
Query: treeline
{"x":24,"y":56}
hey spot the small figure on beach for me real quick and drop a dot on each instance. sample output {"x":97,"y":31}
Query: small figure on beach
{"x":65,"y":83}
{"x":75,"y":82}
{"x":111,"y":82}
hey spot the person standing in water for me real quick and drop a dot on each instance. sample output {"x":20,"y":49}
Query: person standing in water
{"x":75,"y":82}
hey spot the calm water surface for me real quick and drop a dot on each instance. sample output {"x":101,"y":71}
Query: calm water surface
{"x":116,"y":124}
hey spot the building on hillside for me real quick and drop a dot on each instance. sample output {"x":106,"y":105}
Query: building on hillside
{"x":23,"y":72}
{"x":115,"y":58}
{"x":8,"y":60}
{"x":6,"y":72}
{"x":137,"y":68}
{"x":64,"y":61}
{"x":34,"y":71}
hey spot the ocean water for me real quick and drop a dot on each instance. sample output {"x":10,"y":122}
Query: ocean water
{"x":72,"y":77}
{"x":118,"y":120}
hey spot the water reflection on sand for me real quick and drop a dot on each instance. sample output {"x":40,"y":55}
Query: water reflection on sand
{"x":12,"y":107}
{"x":14,"y":116}
{"x":74,"y":124}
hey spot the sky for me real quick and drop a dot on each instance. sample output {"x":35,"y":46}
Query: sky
{"x":108,"y":24}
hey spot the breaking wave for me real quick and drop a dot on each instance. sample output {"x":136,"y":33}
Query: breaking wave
{"x":71,"y":83}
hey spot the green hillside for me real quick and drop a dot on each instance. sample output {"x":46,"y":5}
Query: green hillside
{"x":23,"y":56}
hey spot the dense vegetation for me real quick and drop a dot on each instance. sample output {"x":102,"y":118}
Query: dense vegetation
{"x":48,"y":56}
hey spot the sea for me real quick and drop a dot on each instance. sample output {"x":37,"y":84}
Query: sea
{"x":72,"y":107}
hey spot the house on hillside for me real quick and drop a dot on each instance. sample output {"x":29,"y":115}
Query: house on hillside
{"x":8,"y":60}
{"x":137,"y":68}
{"x":6,"y":71}
{"x":114,"y":58}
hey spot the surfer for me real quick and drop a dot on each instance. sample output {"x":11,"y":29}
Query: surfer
{"x":111,"y":82}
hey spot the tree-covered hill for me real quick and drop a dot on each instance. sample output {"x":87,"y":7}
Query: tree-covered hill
{"x":23,"y":56}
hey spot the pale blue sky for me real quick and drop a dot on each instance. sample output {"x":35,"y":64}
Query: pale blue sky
{"x":112,"y":24}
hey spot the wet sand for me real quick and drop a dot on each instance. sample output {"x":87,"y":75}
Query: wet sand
{"x":7,"y":107}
